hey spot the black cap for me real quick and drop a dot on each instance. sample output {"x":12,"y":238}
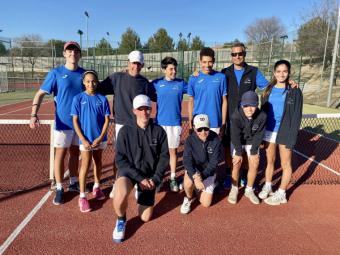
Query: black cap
{"x":250,"y":98}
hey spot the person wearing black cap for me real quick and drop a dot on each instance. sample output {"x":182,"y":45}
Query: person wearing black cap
{"x":248,"y":124}
{"x":64,"y":82}
{"x":142,"y":156}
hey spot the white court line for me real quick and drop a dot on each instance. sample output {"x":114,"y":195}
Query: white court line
{"x":21,"y":226}
{"x":317,"y":162}
{"x":28,"y":107}
{"x":28,"y":218}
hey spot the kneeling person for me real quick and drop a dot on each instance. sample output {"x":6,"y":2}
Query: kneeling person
{"x":141,"y":157}
{"x":248,"y":124}
{"x":202,"y":152}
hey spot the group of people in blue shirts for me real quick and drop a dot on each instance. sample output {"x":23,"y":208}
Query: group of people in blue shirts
{"x":225,"y":120}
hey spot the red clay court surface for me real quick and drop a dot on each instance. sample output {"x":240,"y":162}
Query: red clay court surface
{"x":308,"y":224}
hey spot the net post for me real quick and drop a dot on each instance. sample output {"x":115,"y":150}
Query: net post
{"x":52,"y":155}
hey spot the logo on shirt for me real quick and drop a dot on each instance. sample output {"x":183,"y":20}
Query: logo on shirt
{"x":154,"y":142}
{"x":209,"y":150}
{"x":162,"y":85}
{"x":175,"y":87}
{"x":84,"y":102}
{"x":247,"y":81}
{"x":216,"y":80}
{"x":255,"y":127}
{"x":98,"y":103}
{"x":200,"y":81}
{"x":64,"y":76}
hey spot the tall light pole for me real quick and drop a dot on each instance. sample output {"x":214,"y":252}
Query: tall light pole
{"x":189,"y":40}
{"x":80,"y":33}
{"x":87,"y":33}
{"x":108,"y":42}
{"x":284,"y":37}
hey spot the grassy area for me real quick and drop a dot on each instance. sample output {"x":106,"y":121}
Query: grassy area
{"x":17,"y":96}
{"x":309,"y":109}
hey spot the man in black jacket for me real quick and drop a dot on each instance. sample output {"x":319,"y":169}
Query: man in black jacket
{"x":202,"y":152}
{"x":241,"y":78}
{"x":248,"y":124}
{"x":141,"y":157}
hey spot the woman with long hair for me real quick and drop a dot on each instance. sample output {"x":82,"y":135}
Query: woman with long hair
{"x":283,"y":105}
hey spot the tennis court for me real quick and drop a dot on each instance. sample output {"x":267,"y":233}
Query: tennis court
{"x":31,"y":224}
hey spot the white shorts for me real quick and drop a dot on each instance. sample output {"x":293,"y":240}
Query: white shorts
{"x":117,"y":129}
{"x":216,"y":130}
{"x":102,"y":146}
{"x":270,"y":136}
{"x":209,"y":184}
{"x":247,"y":148}
{"x":65,"y":138}
{"x":174,"y":135}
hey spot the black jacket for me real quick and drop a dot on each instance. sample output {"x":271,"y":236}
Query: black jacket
{"x":247,"y":131}
{"x":124,"y":87}
{"x":235,"y":92}
{"x":202,"y":157}
{"x":142,"y":153}
{"x":291,"y":118}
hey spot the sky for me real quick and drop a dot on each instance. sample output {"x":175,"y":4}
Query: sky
{"x":214,"y":21}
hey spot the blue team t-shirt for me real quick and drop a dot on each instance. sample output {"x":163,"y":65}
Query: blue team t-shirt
{"x":91,"y":110}
{"x":207,"y":91}
{"x":276,"y":100}
{"x":169,"y":101}
{"x":261,"y":81}
{"x":64,"y":84}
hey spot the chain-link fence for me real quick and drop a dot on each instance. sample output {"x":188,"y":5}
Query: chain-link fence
{"x":27,"y":63}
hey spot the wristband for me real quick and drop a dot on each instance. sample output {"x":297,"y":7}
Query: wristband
{"x":35,"y":104}
{"x":34,"y":115}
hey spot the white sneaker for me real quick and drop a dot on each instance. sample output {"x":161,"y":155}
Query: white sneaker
{"x":265,"y":192}
{"x":252,"y":197}
{"x":186,"y":206}
{"x":112,"y":191}
{"x":119,"y":231}
{"x":276,"y":199}
{"x":232,"y":197}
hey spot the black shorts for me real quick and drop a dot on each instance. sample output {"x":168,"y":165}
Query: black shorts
{"x":145,"y":197}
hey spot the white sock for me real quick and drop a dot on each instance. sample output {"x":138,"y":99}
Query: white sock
{"x":95,"y":185}
{"x":59,"y":185}
{"x":268,"y":184}
{"x":73,"y":179}
{"x":82,"y":195}
{"x":234,"y":187}
{"x":282,"y":192}
{"x":172,"y":176}
{"x":248,"y":188}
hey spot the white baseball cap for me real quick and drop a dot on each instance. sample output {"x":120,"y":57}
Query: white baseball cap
{"x":201,"y":121}
{"x":136,"y":56}
{"x":141,"y":100}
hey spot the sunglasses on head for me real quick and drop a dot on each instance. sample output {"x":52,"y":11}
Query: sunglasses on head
{"x":202,"y":129}
{"x":241,"y":54}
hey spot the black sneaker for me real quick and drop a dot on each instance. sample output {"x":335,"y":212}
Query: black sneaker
{"x":59,"y":197}
{"x":75,"y":188}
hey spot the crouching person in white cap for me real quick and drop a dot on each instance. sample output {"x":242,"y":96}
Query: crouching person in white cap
{"x":142,"y":157}
{"x":202,"y":152}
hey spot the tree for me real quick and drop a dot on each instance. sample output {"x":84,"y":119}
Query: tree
{"x":263,"y":30}
{"x":130,"y":41}
{"x":3,"y":50}
{"x":31,"y":47}
{"x":160,"y":42}
{"x":311,"y":39}
{"x":58,"y":46}
{"x":197,"y":43}
{"x":103,"y":48}
{"x":182,"y":44}
{"x":230,"y":44}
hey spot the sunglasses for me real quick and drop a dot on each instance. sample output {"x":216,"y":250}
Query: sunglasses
{"x":241,"y":54}
{"x":199,"y":130}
